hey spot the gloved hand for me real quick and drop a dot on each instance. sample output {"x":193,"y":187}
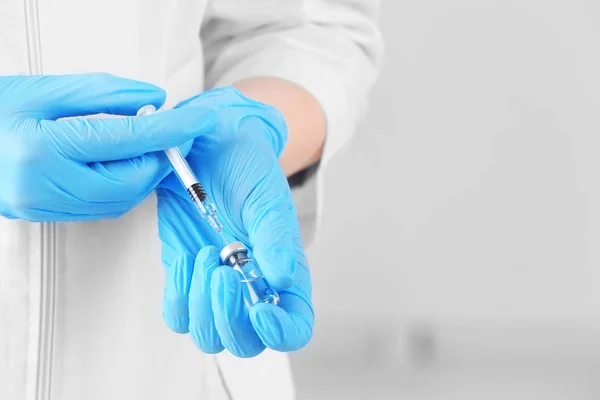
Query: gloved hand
{"x":238,"y":166}
{"x":80,"y":169}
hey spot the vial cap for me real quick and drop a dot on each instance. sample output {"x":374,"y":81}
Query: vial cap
{"x":231,"y":249}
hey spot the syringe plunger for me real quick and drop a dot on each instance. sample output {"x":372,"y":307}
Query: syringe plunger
{"x":207,"y":209}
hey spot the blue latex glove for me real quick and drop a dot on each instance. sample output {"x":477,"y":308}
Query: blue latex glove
{"x":238,"y":166}
{"x":77,"y":168}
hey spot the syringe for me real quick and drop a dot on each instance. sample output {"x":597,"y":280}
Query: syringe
{"x":233,"y":254}
{"x":207,"y":209}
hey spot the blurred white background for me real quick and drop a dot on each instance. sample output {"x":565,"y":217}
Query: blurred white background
{"x":460,"y":250}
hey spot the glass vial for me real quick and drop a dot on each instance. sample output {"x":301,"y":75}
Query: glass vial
{"x":259,"y":290}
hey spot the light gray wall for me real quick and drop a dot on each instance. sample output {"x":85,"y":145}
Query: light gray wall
{"x":467,"y":209}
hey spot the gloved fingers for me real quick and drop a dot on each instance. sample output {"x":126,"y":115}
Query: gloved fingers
{"x":180,"y":224}
{"x":171,"y":181}
{"x":232,"y":318}
{"x":182,"y":233}
{"x":202,"y":326}
{"x":69,"y":192}
{"x":42,"y":215}
{"x":289,"y":325}
{"x":186,"y":147}
{"x":131,"y":178}
{"x":5,"y":213}
{"x":81,"y":202}
{"x":172,"y":184}
{"x":59,"y":96}
{"x":108,"y":139}
{"x":243,"y":112}
{"x":216,"y":98}
{"x":280,"y":329}
{"x":86,"y":191}
{"x":272,"y":226}
{"x":179,"y":267}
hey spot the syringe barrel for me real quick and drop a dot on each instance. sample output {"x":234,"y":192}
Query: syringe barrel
{"x":205,"y":207}
{"x":181,"y":167}
{"x":259,"y":290}
{"x":177,"y":160}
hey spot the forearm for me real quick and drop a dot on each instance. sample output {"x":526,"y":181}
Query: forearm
{"x":303,"y":114}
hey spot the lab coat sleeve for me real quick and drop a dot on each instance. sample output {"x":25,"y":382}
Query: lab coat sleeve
{"x":331,"y":48}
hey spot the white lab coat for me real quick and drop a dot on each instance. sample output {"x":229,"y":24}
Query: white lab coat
{"x":80,"y":303}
